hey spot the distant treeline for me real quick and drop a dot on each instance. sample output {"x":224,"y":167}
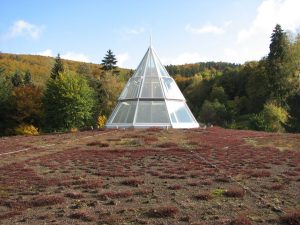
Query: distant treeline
{"x":189,"y":70}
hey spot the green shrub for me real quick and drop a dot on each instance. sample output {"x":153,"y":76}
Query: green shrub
{"x":271,"y":118}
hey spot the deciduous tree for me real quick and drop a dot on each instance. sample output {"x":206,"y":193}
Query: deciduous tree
{"x":27,"y":104}
{"x":68,"y":102}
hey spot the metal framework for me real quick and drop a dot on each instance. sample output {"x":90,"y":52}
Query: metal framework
{"x":151,"y":98}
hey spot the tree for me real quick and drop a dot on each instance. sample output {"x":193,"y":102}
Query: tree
{"x":57,"y":68}
{"x":294,"y":111}
{"x":197,"y":92}
{"x":68,"y":102}
{"x":26,"y":102}
{"x":213,"y":112}
{"x":219,"y":94}
{"x":27,"y":78}
{"x":84,"y":70}
{"x":109,"y":62}
{"x":107,"y":89}
{"x":256,"y":86}
{"x":272,"y":118}
{"x":17,"y":79}
{"x":280,"y":68}
{"x":5,"y":92}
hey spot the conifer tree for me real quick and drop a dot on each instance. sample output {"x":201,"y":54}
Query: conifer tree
{"x":109,"y":62}
{"x":280,"y":69}
{"x":57,"y":68}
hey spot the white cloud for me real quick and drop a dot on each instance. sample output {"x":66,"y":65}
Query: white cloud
{"x":252,"y":42}
{"x":239,"y":55}
{"x":75,"y":56}
{"x":122,"y":58}
{"x":126,"y":32}
{"x":269,"y":13}
{"x":204,"y":29}
{"x":68,"y":55}
{"x":207,"y":29}
{"x":187,"y":57}
{"x":26,"y":29}
{"x":47,"y":52}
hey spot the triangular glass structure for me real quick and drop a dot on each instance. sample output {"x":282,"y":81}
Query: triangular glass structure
{"x":151,"y":98}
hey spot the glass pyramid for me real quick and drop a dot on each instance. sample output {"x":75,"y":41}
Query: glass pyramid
{"x":151,"y":98}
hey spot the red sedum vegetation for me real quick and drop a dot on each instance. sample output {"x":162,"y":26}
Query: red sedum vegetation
{"x":235,"y":192}
{"x":68,"y":182}
{"x":163,"y":211}
{"x":291,"y":218}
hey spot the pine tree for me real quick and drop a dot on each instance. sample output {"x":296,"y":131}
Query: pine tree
{"x":279,"y":44}
{"x":57,"y":68}
{"x":279,"y":68}
{"x":109,"y":62}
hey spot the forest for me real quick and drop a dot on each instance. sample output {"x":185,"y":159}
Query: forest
{"x":43,"y":94}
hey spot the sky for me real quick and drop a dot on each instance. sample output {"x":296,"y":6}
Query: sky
{"x":182,"y":31}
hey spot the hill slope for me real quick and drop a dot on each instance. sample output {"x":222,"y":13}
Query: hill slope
{"x":40,"y":66}
{"x":150,"y":176}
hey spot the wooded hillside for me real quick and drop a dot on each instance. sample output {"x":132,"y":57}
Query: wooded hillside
{"x":260,"y":95}
{"x":40,"y":66}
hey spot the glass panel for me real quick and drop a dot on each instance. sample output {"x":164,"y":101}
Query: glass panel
{"x":181,"y":112}
{"x":151,"y":88}
{"x":132,"y":88}
{"x":125,"y":112}
{"x":152,"y":112}
{"x":171,"y":89}
{"x":141,"y":68}
{"x":161,"y":69}
{"x":173,"y":118}
{"x":151,"y":70}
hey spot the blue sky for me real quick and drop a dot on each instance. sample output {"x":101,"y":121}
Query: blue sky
{"x":183,"y":31}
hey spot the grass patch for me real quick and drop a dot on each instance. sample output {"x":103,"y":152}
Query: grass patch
{"x":130,"y":142}
{"x":218,"y":192}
